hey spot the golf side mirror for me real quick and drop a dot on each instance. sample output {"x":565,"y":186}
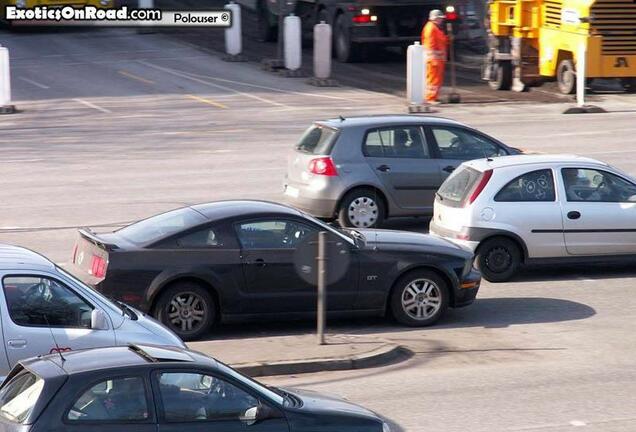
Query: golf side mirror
{"x":99,"y":320}
{"x":250,"y":416}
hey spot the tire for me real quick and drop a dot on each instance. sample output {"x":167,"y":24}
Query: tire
{"x":419,"y":298}
{"x":266,"y":31}
{"x":362,"y":208}
{"x":503,"y":76}
{"x":498,"y":259}
{"x":566,"y":77}
{"x":629,"y":84}
{"x":186,"y":290}
{"x":344,"y":50}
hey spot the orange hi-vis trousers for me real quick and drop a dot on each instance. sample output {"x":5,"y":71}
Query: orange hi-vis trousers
{"x":434,"y":79}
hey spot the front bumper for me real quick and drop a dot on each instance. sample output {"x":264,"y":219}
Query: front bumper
{"x":466,"y":293}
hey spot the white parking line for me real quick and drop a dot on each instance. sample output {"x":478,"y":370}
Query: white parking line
{"x":92,"y":105}
{"x":35,"y":83}
{"x":208,"y":83}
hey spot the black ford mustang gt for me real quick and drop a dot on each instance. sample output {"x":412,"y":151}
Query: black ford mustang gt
{"x":229,"y":260}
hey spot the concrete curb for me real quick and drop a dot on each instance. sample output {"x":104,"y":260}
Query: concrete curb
{"x":384,"y":355}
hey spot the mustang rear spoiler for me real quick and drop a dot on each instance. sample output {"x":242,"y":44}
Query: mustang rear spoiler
{"x":89,"y":235}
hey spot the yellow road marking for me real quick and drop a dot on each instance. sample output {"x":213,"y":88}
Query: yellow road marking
{"x":207,"y":101}
{"x":135,"y":77}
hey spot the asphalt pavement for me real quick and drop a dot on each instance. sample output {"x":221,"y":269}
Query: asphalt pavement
{"x":115,"y":126}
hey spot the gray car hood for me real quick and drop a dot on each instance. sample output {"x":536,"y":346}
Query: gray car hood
{"x":390,"y":240}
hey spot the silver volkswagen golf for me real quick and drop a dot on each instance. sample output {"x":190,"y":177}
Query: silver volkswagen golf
{"x":362,"y":170}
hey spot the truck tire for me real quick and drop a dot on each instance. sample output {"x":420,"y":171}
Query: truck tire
{"x":267,"y":32}
{"x":345,"y":50}
{"x":502,"y":76}
{"x":629,"y":84}
{"x":566,"y":76}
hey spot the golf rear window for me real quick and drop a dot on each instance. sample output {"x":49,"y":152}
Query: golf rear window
{"x":317,"y":140}
{"x":458,"y":185}
{"x":19,"y":396}
{"x":163,"y":225}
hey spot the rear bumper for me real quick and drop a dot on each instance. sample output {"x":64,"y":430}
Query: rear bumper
{"x":319,"y":199}
{"x":468,"y":288}
{"x":462,"y":237}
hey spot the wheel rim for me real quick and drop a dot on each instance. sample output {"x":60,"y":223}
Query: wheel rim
{"x":187,"y":312}
{"x":498,"y":260}
{"x":363,"y":212}
{"x":421,"y":299}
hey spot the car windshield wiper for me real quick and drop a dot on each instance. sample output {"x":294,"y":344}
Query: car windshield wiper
{"x":126,"y":310}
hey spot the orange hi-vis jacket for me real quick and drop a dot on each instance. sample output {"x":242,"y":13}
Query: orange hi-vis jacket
{"x":434,"y":42}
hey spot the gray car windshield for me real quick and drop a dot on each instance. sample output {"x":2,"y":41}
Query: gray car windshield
{"x":251,"y":383}
{"x":316,"y":140}
{"x":163,"y":225}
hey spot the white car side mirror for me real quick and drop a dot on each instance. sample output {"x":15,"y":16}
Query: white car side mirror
{"x":99,"y":320}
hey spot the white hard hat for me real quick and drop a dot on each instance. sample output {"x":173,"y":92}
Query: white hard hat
{"x":436,"y":13}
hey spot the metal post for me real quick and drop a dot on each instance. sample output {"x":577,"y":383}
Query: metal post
{"x":453,"y":97}
{"x":322,"y":285}
{"x":280,"y":56}
{"x":580,"y":75}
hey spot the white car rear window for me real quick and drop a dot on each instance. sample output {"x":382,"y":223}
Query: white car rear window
{"x":19,"y":396}
{"x":458,"y":185}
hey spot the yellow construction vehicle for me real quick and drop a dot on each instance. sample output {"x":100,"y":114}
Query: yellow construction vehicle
{"x":531,"y":41}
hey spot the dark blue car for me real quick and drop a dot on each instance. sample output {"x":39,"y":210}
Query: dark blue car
{"x":156,"y":389}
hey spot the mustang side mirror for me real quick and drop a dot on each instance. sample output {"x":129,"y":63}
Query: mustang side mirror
{"x":99,"y":320}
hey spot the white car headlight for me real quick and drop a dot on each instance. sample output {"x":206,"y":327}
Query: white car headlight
{"x":386,"y":427}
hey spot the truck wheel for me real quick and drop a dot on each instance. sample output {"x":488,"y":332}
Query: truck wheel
{"x":361,"y":208}
{"x":345,"y":50}
{"x":267,"y":32}
{"x":502,"y":76}
{"x":498,"y":259}
{"x":629,"y":84}
{"x":187,"y":309}
{"x":566,"y":77}
{"x":419,"y":298}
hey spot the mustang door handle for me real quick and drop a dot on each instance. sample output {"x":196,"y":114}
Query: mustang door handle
{"x":384,"y":168}
{"x":17,"y":343}
{"x":449,"y":169}
{"x":259,"y":262}
{"x":574,"y":215}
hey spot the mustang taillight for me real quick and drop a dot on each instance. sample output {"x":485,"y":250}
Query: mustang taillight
{"x":98,"y":266}
{"x":323,"y":166}
{"x":485,"y":178}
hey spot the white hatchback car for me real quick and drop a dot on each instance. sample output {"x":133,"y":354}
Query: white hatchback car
{"x":532,"y":208}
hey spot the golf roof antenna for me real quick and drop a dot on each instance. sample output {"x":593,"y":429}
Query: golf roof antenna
{"x":57,"y":347}
{"x":341,"y":117}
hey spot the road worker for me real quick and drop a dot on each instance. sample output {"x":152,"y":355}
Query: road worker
{"x":435,"y":42}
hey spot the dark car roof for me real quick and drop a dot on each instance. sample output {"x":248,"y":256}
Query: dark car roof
{"x":379,"y":120}
{"x":19,"y":258}
{"x":120,"y":357}
{"x":236,"y":208}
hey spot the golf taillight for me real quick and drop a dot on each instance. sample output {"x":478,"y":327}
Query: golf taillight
{"x":323,"y":166}
{"x":98,"y":266}
{"x":483,"y":181}
{"x":364,"y":19}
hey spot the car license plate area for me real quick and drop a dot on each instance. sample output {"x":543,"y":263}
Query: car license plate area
{"x":291,"y":191}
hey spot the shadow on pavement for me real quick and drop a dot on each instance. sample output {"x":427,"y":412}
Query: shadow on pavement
{"x":487,"y":313}
{"x":564,"y":272}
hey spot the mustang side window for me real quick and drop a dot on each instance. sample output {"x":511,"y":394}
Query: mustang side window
{"x":118,"y":400}
{"x":200,"y":239}
{"x":188,"y":397}
{"x":532,"y":186}
{"x":272,"y":234}
{"x":42,"y":301}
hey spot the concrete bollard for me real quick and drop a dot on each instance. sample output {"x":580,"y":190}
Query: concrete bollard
{"x":415,"y":78}
{"x":322,"y":50}
{"x":292,"y":38}
{"x":5,"y":83}
{"x":581,"y":70}
{"x":234,"y":35}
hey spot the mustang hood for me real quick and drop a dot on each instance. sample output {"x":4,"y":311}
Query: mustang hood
{"x":410,"y":241}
